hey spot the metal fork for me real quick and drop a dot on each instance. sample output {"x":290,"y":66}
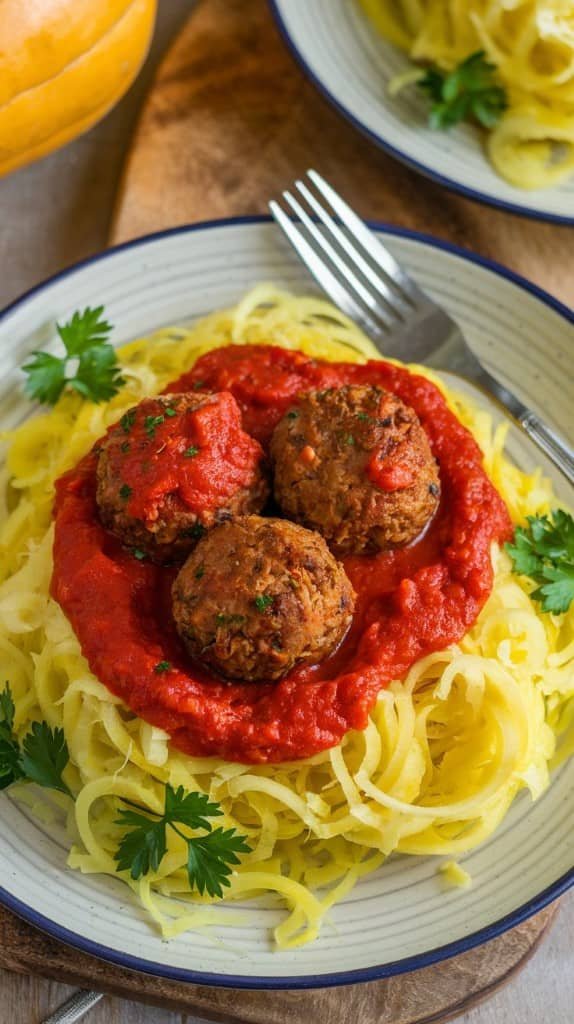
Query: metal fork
{"x":362,"y":277}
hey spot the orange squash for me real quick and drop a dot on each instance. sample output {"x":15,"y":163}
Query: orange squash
{"x":63,"y":65}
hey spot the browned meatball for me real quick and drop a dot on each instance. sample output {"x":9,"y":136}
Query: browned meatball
{"x":258,"y":596}
{"x":355,"y":464}
{"x":173,"y":467}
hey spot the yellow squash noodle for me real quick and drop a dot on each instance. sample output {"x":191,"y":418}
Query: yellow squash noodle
{"x":531,"y":42}
{"x":445,"y":752}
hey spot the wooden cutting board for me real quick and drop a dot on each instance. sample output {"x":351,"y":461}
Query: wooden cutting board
{"x":229,"y":122}
{"x":434,"y":994}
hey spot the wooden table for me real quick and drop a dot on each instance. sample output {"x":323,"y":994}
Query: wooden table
{"x":57,"y":212}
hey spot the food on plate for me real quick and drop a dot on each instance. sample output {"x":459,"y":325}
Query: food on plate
{"x":354,"y":463}
{"x":530,"y":43}
{"x":173,"y":467}
{"x":259,"y":596}
{"x":43,"y":757}
{"x":410,"y":600}
{"x":470,"y":92}
{"x":451,"y":692}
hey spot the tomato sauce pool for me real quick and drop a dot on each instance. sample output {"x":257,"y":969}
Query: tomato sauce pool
{"x":410,"y":601}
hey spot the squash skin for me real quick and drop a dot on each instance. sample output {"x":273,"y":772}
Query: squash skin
{"x":63,"y":65}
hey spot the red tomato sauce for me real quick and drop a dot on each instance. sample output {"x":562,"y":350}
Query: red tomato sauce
{"x":410,"y":601}
{"x":195,"y":458}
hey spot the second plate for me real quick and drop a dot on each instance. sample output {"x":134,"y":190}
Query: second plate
{"x":351,"y":65}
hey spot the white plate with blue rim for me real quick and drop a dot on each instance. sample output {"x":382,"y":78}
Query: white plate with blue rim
{"x":400,"y":918}
{"x":352,"y":66}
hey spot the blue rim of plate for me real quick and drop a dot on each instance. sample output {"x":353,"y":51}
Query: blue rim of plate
{"x":440,"y":179}
{"x":413,"y":963}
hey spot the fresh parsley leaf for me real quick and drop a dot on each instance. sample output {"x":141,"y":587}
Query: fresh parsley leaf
{"x":46,"y":377}
{"x":162,"y":666}
{"x":190,"y":452}
{"x":140,"y":555}
{"x":44,"y":757}
{"x":556,"y":595}
{"x":544,"y":551}
{"x":170,"y":412}
{"x":209,"y":856}
{"x":262,"y":601}
{"x":192,"y":809}
{"x":10,"y":769}
{"x":143,"y":848}
{"x":7,"y":709}
{"x":471,"y":91}
{"x":84,"y":330}
{"x":96,"y":375}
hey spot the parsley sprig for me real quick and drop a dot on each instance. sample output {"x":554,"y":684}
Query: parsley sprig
{"x":209,"y":856}
{"x":89,"y":365}
{"x":41,"y":757}
{"x":471,"y":91}
{"x":544,"y":551}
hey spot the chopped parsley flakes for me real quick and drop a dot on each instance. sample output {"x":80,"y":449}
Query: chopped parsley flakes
{"x":127,"y":421}
{"x":151,"y":422}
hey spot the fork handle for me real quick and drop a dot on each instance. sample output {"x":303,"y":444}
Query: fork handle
{"x":550,"y":442}
{"x":560,"y":453}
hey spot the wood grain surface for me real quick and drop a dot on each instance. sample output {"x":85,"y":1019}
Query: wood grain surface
{"x":229,"y":122}
{"x":434,"y":994}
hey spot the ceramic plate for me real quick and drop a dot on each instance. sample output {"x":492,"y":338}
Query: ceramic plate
{"x":399,"y":918}
{"x":352,"y":66}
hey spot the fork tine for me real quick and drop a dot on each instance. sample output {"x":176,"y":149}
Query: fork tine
{"x":391,"y":296}
{"x":351,"y":280}
{"x":322,"y":274}
{"x":377,"y":252}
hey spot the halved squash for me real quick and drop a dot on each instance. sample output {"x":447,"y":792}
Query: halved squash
{"x":63,"y":65}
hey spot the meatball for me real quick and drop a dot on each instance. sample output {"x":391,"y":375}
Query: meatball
{"x":355,"y":464}
{"x":173,"y":467}
{"x":258,"y":596}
